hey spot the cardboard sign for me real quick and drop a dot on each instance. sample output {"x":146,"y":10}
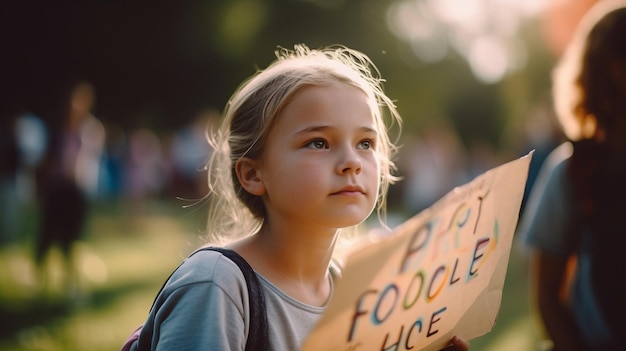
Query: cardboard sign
{"x":437,"y":275}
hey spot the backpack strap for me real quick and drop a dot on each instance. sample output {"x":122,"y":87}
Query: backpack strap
{"x":258,"y":338}
{"x":257,"y":332}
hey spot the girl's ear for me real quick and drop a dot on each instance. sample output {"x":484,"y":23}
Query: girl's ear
{"x":247,"y":173}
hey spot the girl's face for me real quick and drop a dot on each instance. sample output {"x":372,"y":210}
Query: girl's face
{"x":320,"y":167}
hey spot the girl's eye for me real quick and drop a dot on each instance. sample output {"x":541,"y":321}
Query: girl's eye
{"x":317,"y":144}
{"x":366,"y":144}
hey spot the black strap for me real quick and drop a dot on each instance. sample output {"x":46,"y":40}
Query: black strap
{"x":257,"y":333}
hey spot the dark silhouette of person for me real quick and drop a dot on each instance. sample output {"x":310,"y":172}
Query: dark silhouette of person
{"x":574,"y":219}
{"x":67,"y":179}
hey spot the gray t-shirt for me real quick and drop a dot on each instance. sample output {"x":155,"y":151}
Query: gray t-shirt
{"x":204,"y":306}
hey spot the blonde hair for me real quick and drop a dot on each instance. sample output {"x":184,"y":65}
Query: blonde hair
{"x":590,"y":68}
{"x":252,"y":111}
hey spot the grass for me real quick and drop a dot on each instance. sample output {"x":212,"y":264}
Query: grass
{"x":125,"y":257}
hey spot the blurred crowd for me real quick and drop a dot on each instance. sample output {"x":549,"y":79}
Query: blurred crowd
{"x":101,"y":162}
{"x":104,"y":162}
{"x":52,"y":173}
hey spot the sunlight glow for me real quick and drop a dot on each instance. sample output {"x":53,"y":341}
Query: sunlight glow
{"x":485,"y":32}
{"x":488,"y":60}
{"x":94,"y":268}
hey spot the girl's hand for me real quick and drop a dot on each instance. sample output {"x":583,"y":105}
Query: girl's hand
{"x":458,"y":344}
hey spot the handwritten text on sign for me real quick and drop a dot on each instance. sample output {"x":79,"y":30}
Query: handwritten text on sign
{"x":437,"y":275}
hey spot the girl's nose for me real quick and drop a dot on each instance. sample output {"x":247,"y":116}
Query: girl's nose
{"x":350,"y":162}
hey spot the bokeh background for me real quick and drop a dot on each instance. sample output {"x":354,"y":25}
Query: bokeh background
{"x":470,"y":77}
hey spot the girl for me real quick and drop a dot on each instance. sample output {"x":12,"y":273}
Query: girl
{"x":575,"y":212}
{"x":303,"y":153}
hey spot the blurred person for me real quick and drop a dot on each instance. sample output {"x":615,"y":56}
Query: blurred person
{"x":302,"y":154}
{"x":68,"y":180}
{"x":573,"y":220}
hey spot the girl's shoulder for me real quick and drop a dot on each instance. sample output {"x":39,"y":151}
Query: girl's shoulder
{"x":207,"y":267}
{"x":553,"y":174}
{"x":560,"y":156}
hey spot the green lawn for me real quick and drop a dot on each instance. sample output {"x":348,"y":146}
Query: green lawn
{"x":127,"y":253}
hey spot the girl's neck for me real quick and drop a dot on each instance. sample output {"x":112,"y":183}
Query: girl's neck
{"x":297,"y":263}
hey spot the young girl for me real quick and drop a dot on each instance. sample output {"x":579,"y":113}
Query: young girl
{"x":303,"y":153}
